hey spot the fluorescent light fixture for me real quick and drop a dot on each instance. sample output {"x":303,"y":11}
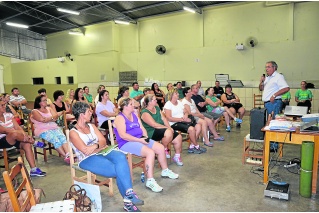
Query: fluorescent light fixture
{"x":76,"y":33}
{"x":17,"y":25}
{"x":121,"y":22}
{"x":189,"y":9}
{"x":68,"y":11}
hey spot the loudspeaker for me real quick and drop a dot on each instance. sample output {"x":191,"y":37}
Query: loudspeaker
{"x":257,"y":122}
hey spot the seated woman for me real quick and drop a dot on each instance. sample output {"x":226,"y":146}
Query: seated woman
{"x":88,"y":96}
{"x":213,"y":105}
{"x":132,"y":137}
{"x":303,"y":96}
{"x":69,"y":97}
{"x":158,"y":128}
{"x":11,"y":134}
{"x":45,"y":127}
{"x":78,"y":96}
{"x":99,"y":89}
{"x":160,"y":95}
{"x":177,"y":117}
{"x":86,"y":141}
{"x":232,"y":102}
{"x":9,"y":108}
{"x":59,"y":106}
{"x":204,"y":122}
{"x":104,"y":110}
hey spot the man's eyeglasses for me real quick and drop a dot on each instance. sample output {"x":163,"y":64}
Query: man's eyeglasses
{"x":268,"y":67}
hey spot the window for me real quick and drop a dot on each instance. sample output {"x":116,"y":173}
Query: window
{"x":37,"y":81}
{"x":70,"y":80}
{"x":58,"y":80}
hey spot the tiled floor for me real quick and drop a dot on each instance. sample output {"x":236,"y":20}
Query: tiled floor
{"x":214,"y":181}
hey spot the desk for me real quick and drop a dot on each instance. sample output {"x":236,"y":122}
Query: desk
{"x":292,"y":138}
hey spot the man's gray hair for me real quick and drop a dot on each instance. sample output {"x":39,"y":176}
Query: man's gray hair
{"x":78,"y":108}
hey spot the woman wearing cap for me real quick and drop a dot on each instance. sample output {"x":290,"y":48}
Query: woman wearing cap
{"x":232,"y":102}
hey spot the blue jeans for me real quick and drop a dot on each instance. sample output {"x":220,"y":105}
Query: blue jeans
{"x":274,"y":107}
{"x":112,"y":165}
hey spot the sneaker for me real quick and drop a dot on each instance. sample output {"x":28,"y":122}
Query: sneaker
{"x":167,"y":153}
{"x":228,"y":128}
{"x":194,"y":151}
{"x":133,"y":198}
{"x":178,"y":161}
{"x":67,"y":160}
{"x":39,"y":144}
{"x":129,"y":206}
{"x":238,"y":120}
{"x":166,"y":173}
{"x":152,"y":184}
{"x":202,"y":149}
{"x":37,"y":173}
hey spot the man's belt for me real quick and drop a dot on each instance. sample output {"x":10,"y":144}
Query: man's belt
{"x":275,"y":100}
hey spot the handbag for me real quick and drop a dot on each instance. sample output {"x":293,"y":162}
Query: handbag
{"x":82,"y":202}
{"x":193,"y":120}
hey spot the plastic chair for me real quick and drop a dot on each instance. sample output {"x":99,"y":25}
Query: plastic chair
{"x":30,"y":201}
{"x":89,"y":177}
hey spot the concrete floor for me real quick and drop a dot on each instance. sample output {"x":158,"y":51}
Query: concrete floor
{"x":214,"y":181}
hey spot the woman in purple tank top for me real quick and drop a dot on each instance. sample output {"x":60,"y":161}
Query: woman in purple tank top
{"x":132,"y":137}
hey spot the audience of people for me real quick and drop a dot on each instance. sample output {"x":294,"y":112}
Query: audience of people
{"x":214,"y":106}
{"x":179,"y":120}
{"x":86,"y":141}
{"x":136,"y":94}
{"x":17,"y":101}
{"x":158,"y":128}
{"x":99,"y":89}
{"x":132,"y":137}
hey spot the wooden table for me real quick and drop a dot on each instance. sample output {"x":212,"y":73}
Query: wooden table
{"x":292,"y":138}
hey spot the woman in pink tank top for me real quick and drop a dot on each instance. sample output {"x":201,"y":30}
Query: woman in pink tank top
{"x":45,"y":127}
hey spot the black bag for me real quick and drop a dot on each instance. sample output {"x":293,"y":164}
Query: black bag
{"x":82,"y":201}
{"x":193,"y":120}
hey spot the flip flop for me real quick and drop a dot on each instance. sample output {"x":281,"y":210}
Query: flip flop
{"x":210,"y":144}
{"x":221,"y":138}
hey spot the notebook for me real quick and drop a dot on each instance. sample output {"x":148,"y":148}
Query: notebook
{"x":107,"y":150}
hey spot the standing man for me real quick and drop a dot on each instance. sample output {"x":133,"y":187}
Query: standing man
{"x":274,"y":85}
{"x":200,"y":89}
{"x":136,"y":94}
{"x":180,"y":90}
{"x":218,"y":90}
{"x":16,"y":100}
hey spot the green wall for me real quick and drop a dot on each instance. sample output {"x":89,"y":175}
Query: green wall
{"x":198,"y":47}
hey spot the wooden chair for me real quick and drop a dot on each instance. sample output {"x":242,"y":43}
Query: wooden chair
{"x":30,"y":200}
{"x":49,"y":147}
{"x":89,"y":177}
{"x":7,"y":160}
{"x":258,"y":101}
{"x":253,"y":152}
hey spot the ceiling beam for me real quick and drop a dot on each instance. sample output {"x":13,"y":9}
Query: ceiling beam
{"x":121,"y":14}
{"x":23,"y":12}
{"x":148,"y":7}
{"x":46,"y":14}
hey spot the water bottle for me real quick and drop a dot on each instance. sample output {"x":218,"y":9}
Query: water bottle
{"x":142,"y":177}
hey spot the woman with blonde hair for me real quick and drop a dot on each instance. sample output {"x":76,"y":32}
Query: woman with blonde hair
{"x":158,"y":128}
{"x":69,"y":97}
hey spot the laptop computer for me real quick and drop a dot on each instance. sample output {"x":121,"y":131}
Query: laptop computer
{"x":296,"y":110}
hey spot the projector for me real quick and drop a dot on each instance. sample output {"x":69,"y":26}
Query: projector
{"x":278,"y":190}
